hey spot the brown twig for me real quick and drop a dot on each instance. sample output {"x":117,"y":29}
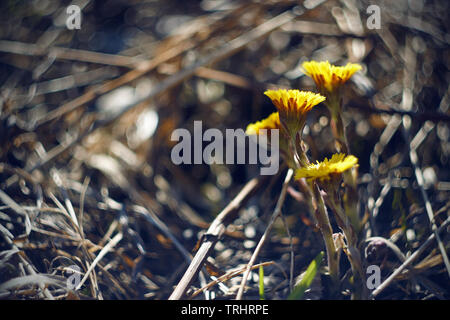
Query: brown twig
{"x":211,"y":236}
{"x":276,"y":213}
{"x":409,"y":260}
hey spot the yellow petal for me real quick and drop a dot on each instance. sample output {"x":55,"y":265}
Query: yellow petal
{"x":327,"y":76}
{"x":271,"y":122}
{"x":323,"y":170}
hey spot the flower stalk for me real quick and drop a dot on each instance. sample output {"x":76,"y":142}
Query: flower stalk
{"x":328,"y":174}
{"x":323,"y":222}
{"x":352,"y":251}
{"x":337,"y":125}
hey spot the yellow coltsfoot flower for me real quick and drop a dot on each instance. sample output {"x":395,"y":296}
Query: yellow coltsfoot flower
{"x":327,"y":169}
{"x":329,"y":79}
{"x":271,"y":122}
{"x":327,"y":76}
{"x":293,"y":106}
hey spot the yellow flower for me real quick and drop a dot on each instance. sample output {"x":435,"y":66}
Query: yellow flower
{"x":325,"y":170}
{"x":329,"y":77}
{"x":293,"y":105}
{"x":271,"y":122}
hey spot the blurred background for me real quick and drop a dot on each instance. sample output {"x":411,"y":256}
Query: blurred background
{"x":87,"y":113}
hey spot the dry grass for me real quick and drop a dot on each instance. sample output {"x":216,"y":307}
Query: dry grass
{"x":86,"y":177}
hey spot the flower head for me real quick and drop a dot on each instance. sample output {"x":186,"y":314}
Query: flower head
{"x":271,"y":122}
{"x":326,"y":169}
{"x":327,"y":76}
{"x":293,"y":105}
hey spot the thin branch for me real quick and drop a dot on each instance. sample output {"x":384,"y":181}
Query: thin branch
{"x":111,"y":244}
{"x":275,"y":215}
{"x":210,"y":238}
{"x":409,"y":260}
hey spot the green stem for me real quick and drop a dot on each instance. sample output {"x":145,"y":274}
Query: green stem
{"x":352,"y":244}
{"x":335,"y":105}
{"x":339,"y":132}
{"x":327,"y":233}
{"x":298,"y":152}
{"x":351,"y":199}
